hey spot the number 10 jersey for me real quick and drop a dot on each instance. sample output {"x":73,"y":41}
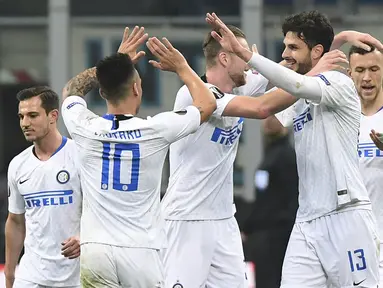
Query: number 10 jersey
{"x":121,"y":159}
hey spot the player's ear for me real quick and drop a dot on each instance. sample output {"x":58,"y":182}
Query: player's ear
{"x":349,"y":72}
{"x":223,"y":58}
{"x":101,"y":93}
{"x":53,"y":116}
{"x":317,"y":52}
{"x":136,"y":92}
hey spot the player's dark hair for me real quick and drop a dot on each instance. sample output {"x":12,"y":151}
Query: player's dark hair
{"x":361,"y":51}
{"x":312,"y":27}
{"x":49,"y":98}
{"x":211,"y":47}
{"x":115,"y":74}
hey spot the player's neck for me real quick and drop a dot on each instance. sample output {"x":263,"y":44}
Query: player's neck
{"x":127,"y":107}
{"x":371,"y":107}
{"x":47,"y":146}
{"x":218,"y":77}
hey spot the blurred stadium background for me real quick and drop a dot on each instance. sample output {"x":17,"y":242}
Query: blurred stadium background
{"x":49,"y":41}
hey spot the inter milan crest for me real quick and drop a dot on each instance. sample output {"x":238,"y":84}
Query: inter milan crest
{"x":178,"y":285}
{"x":63,"y":177}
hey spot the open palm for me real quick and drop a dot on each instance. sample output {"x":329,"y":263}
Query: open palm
{"x":225,"y":37}
{"x":132,"y":41}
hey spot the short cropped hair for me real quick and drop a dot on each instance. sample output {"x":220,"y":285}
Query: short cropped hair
{"x":114,"y":74}
{"x":211,"y":47}
{"x":312,"y":27}
{"x":49,"y":98}
{"x":358,"y":50}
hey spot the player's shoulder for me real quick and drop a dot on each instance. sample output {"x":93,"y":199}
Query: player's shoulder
{"x":70,"y":145}
{"x":184,"y":91}
{"x":335,"y":77}
{"x":20,"y":159}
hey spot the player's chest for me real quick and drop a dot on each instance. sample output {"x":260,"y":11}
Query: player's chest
{"x":225,"y":131}
{"x":49,"y":184}
{"x":304,"y":116}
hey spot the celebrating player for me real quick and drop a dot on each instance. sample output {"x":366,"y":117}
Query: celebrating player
{"x":121,"y":160}
{"x":334,"y":239}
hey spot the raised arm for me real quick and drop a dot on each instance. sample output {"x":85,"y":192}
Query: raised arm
{"x":357,"y":39}
{"x":277,"y":100}
{"x":83,"y":83}
{"x":170,"y":59}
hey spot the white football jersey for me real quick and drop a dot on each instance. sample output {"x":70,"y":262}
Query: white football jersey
{"x":371,"y":164}
{"x":201,"y":165}
{"x":121,"y":160}
{"x":49,"y":194}
{"x":326,"y":144}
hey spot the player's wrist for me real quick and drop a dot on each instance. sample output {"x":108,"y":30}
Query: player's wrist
{"x":339,"y":40}
{"x":184,"y":70}
{"x":244,"y":54}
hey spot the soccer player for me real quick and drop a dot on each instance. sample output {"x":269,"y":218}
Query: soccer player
{"x":121,"y":160}
{"x":334,"y":239}
{"x":366,"y":70}
{"x":198,"y":204}
{"x":44,"y":200}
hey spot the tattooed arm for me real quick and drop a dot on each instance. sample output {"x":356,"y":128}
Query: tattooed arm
{"x":81,"y":84}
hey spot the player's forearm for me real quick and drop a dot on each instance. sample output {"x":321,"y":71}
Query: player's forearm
{"x":203,"y":98}
{"x":81,"y":84}
{"x":298,"y":85}
{"x":339,"y":40}
{"x":14,"y":242}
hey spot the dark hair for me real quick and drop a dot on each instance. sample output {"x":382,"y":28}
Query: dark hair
{"x":211,"y":47}
{"x":361,"y":51}
{"x":114,"y":74}
{"x":49,"y":98}
{"x":312,"y":27}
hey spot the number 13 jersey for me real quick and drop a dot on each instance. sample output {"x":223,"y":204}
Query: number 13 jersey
{"x":121,"y":159}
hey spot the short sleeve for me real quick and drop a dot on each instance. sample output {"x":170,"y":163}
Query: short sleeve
{"x":16,"y":203}
{"x":183,"y":98}
{"x":338,"y":90}
{"x":74,"y":111}
{"x":222,"y":103}
{"x":178,"y":124}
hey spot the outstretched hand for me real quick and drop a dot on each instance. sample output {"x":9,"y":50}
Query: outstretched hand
{"x":169,"y":58}
{"x":225,"y":37}
{"x":131,"y":42}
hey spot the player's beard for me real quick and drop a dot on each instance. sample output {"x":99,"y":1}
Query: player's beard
{"x":305,"y":66}
{"x":238,"y":79}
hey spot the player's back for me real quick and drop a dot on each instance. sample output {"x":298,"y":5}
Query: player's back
{"x":326,"y":138}
{"x":371,"y":164}
{"x":121,"y":160}
{"x":49,"y":194}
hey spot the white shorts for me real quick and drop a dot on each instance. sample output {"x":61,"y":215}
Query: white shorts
{"x":112,"y":266}
{"x":20,"y":283}
{"x":204,"y":254}
{"x":338,"y":250}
